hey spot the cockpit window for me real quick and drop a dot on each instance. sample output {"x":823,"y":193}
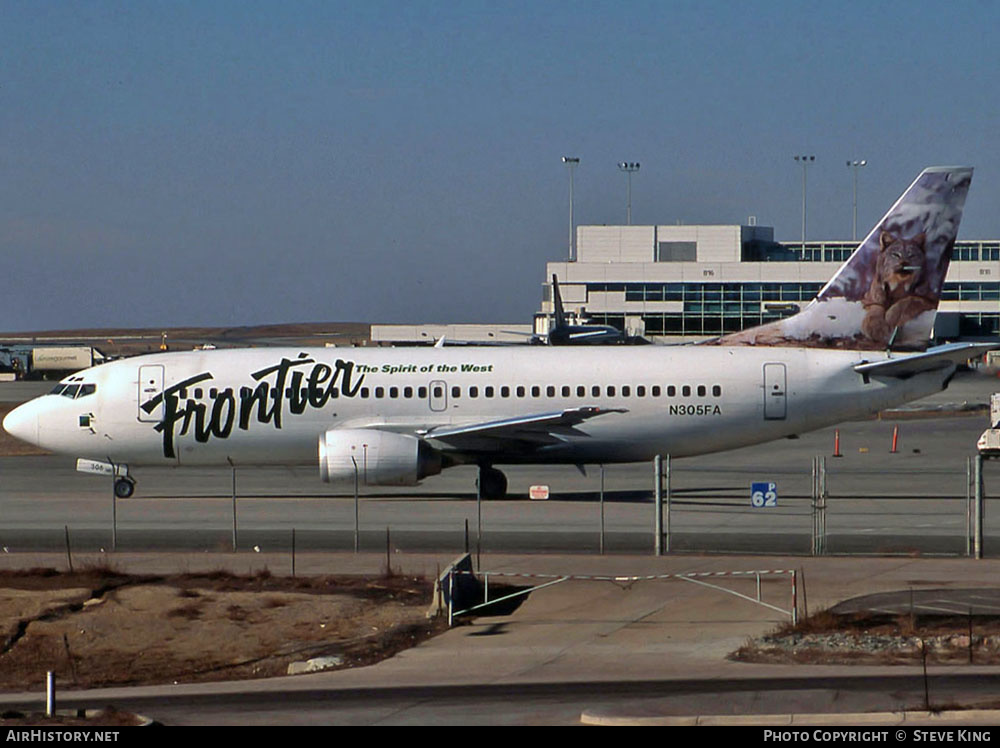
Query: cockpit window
{"x":73,"y":391}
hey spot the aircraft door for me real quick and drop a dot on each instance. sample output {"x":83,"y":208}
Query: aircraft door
{"x":775,"y":392}
{"x":151,"y":385}
{"x":438,"y":395}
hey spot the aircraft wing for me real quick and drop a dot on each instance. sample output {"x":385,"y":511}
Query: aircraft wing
{"x":930,"y":360}
{"x":522,"y":433}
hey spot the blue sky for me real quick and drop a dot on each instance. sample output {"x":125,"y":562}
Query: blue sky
{"x":227,"y":163}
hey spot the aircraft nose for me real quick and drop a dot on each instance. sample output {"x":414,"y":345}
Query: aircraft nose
{"x":22,"y":422}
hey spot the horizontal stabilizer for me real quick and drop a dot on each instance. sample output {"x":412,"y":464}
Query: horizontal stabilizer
{"x":930,"y":360}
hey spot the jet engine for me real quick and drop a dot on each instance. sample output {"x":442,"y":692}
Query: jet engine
{"x":377,"y":458}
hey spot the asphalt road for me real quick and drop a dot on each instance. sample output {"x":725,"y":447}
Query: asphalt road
{"x":563,"y":703}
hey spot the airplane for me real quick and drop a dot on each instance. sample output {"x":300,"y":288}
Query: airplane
{"x":585,"y":333}
{"x":394,"y":416}
{"x":562,"y":332}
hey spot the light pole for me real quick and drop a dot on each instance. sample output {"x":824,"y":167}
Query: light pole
{"x":628,"y":167}
{"x":570,"y":164}
{"x":805,"y":161}
{"x":855,"y":165}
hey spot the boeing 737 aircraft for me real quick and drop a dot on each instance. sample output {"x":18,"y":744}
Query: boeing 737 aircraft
{"x":395,"y":416}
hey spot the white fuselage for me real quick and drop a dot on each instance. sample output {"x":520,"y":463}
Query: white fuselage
{"x":270,"y":405}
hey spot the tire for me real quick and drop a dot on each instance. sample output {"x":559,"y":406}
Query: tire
{"x":124,"y":488}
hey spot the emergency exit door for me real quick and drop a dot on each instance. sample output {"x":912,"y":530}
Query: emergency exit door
{"x":775,"y":392}
{"x":438,"y":393}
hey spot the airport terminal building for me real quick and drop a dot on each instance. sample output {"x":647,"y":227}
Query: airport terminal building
{"x":678,"y":283}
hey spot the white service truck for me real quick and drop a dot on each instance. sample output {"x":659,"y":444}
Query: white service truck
{"x":58,"y":360}
{"x":989,"y":442}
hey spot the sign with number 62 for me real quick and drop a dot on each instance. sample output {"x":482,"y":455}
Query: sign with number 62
{"x":763,"y":495}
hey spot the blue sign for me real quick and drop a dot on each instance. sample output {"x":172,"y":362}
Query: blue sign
{"x":763,"y":495}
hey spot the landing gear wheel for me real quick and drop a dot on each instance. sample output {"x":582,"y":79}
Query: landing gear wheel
{"x":492,"y":483}
{"x":124,"y":488}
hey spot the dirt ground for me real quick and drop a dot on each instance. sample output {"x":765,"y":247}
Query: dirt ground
{"x":879,"y":639}
{"x":97,"y":627}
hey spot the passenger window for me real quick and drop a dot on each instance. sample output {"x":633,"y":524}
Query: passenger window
{"x":550,"y":391}
{"x":536,"y":391}
{"x":565,"y":391}
{"x":473,"y":392}
{"x":671,"y":390}
{"x":456,"y":392}
{"x":640,"y":391}
{"x":595,"y":391}
{"x":199,"y":393}
{"x":439,"y":392}
{"x":686,"y":390}
{"x":408,"y":392}
{"x":380,"y":392}
{"x":364,"y":392}
{"x":488,"y":392}
{"x":656,"y":390}
{"x":716,"y":390}
{"x":421,"y":392}
{"x":394,"y":392}
{"x":505,"y":391}
{"x":626,"y":391}
{"x":581,"y":391}
{"x":520,"y":391}
{"x":611,"y":390}
{"x":701,"y":390}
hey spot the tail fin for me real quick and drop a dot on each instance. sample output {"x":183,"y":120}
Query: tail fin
{"x":886,"y":294}
{"x":560,"y":315}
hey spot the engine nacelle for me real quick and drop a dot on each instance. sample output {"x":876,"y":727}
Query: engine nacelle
{"x":377,"y":458}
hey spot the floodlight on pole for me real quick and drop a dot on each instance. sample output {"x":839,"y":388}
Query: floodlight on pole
{"x":628,"y":167}
{"x":571,"y":163}
{"x":854,"y":166}
{"x":805,"y":161}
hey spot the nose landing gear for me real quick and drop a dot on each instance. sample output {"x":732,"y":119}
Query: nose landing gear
{"x":124,"y":487}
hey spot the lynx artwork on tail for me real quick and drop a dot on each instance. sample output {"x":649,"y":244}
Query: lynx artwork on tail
{"x":887,"y":293}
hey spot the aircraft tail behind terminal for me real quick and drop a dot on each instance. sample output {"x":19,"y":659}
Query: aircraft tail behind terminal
{"x":886,"y":295}
{"x":584,"y":333}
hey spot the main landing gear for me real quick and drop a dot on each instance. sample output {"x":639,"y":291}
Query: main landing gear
{"x":491,"y":482}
